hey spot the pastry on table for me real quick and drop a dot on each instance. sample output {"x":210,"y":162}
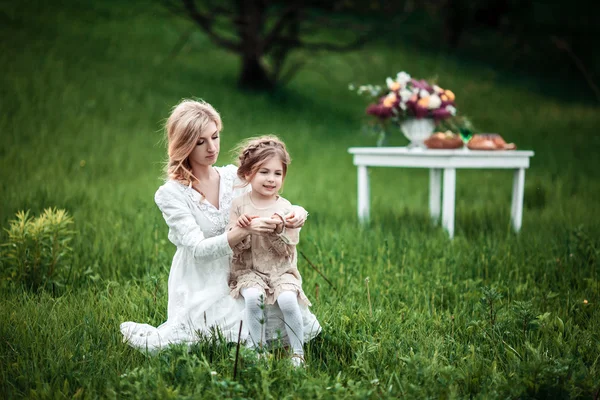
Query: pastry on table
{"x":444,"y":140}
{"x":489,"y":141}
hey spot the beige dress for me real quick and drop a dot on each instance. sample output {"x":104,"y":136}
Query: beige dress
{"x":266,"y":262}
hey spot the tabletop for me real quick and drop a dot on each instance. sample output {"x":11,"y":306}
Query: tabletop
{"x":439,"y":158}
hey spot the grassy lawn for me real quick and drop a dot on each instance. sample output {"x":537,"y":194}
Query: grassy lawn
{"x":490,"y":314}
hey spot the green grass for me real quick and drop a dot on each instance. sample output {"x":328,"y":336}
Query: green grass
{"x":84,"y":94}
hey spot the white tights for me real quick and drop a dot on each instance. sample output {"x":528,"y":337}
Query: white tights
{"x":288,"y":303}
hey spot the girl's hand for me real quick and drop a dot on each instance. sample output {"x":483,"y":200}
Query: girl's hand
{"x":295,"y":220}
{"x":281,"y":219}
{"x":244,"y":220}
{"x":263,"y":226}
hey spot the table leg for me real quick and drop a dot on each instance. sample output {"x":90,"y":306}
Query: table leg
{"x":435,"y":190}
{"x":448,"y":200}
{"x":516,"y":212}
{"x":363,"y":194}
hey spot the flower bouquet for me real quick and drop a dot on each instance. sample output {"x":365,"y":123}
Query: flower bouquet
{"x":417,"y":106}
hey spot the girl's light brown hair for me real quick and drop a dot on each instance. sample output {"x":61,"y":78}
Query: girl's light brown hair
{"x":254,"y":152}
{"x":188,"y":120}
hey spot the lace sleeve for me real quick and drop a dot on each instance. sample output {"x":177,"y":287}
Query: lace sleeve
{"x":285,"y":242}
{"x":184,"y":230}
{"x":234,"y":214}
{"x":299,"y":210}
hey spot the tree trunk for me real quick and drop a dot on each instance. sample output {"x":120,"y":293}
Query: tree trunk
{"x":253,"y":74}
{"x":251,"y":16}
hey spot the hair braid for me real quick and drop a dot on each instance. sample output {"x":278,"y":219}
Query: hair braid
{"x":254,"y":152}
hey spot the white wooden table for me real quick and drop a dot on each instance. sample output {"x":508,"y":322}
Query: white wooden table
{"x":441,"y":162}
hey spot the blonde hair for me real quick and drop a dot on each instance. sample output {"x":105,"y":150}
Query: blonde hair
{"x":188,"y":120}
{"x":254,"y":152}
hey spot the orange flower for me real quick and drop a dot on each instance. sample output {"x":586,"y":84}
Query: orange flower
{"x":395,"y":86}
{"x":389,"y":100}
{"x":444,"y":97}
{"x":450,"y":95}
{"x":424,"y":102}
{"x":585,"y":301}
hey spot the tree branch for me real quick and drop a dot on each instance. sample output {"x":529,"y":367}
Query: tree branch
{"x":206,"y":23}
{"x":183,"y":39}
{"x":284,"y":18}
{"x":333,"y":23}
{"x":328,"y":46}
{"x":289,"y":74}
{"x":170,"y":6}
{"x":563,"y":45}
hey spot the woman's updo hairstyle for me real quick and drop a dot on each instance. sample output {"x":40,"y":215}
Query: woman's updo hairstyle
{"x":254,"y":152}
{"x":188,"y":120}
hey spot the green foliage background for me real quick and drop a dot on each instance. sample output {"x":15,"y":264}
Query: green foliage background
{"x":85,"y":89}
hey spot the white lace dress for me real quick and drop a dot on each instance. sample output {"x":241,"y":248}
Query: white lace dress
{"x":199,"y":302}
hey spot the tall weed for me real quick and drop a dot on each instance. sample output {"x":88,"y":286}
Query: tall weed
{"x":37,"y":253}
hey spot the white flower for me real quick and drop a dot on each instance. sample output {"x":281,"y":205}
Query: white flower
{"x":437,"y":89}
{"x":451,"y":109}
{"x":213,"y":373}
{"x":405,"y":95}
{"x":434,"y":102}
{"x":375,"y":90}
{"x":389,"y":82}
{"x":423,"y":93}
{"x":402,"y":78}
{"x":403,"y":106}
{"x":351,"y":87}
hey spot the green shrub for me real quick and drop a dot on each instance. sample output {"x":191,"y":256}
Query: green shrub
{"x":37,"y":252}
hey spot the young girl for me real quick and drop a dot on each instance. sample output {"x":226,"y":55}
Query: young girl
{"x":263,"y":268}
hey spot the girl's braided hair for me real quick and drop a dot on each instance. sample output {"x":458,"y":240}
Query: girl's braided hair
{"x":254,"y":152}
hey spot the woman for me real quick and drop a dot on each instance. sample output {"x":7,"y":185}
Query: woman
{"x":195,"y":202}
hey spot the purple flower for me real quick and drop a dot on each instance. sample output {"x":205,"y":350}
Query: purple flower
{"x":420,"y":112}
{"x":379,"y":110}
{"x":440,"y":114}
{"x":422,"y":84}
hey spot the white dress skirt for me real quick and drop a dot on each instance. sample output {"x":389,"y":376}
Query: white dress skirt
{"x":199,"y":303}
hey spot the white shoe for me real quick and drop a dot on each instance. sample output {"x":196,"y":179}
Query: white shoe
{"x":297,"y":361}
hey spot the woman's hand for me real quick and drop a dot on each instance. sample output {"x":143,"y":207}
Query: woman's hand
{"x":263,"y":226}
{"x":296,"y":218}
